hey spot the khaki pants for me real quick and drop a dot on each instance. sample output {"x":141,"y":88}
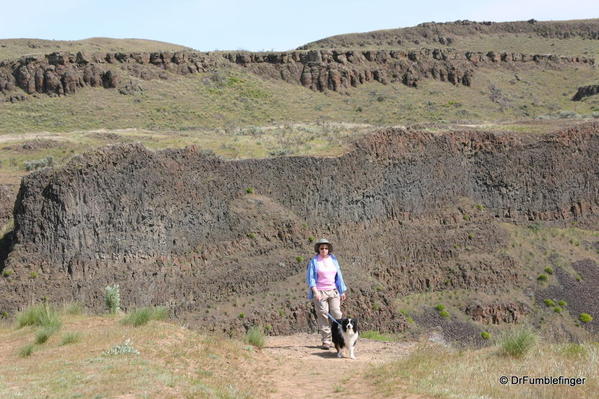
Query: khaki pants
{"x":330,"y":302}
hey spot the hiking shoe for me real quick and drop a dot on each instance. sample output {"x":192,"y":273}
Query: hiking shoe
{"x":326,"y":346}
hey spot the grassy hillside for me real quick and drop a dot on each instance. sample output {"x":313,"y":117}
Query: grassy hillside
{"x":232,"y":98}
{"x":239,"y":115}
{"x":576,"y":37}
{"x":446,"y":373}
{"x":15,"y":48}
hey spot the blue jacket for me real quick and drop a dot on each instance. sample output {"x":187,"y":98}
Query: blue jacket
{"x":312,"y":276}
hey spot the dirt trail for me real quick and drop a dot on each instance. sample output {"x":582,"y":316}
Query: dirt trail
{"x":299,"y":368}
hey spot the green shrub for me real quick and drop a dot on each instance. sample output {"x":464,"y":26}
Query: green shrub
{"x":440,"y":307}
{"x":535,"y":227}
{"x":4,"y":314}
{"x":542,"y":277}
{"x":485,"y":335}
{"x":39,"y":163}
{"x":112,"y":298}
{"x":568,"y":115}
{"x":517,"y":342}
{"x":376,"y":336}
{"x":299,"y":259}
{"x":557,"y":309}
{"x":311,"y":239}
{"x":7,"y":272}
{"x":585,"y":317}
{"x":45,"y":333}
{"x":255,"y":337}
{"x":42,"y":315}
{"x":549,"y":302}
{"x":241,"y":315}
{"x":73,"y":308}
{"x":27,"y":350}
{"x":251,"y":235}
{"x":142,"y":316}
{"x":562,"y":303}
{"x":70,"y":338}
{"x":444,"y":314}
{"x":33,"y":275}
{"x":548,"y":270}
{"x":249,"y":190}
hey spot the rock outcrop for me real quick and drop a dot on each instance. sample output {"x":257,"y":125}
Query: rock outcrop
{"x":179,"y":228}
{"x":452,"y":33}
{"x":64,"y":73}
{"x":497,"y":313}
{"x":585,"y":91}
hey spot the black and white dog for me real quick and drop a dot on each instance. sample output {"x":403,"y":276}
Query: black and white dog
{"x":345,"y":335}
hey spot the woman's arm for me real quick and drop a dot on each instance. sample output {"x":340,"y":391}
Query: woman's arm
{"x":311,"y":277}
{"x":339,"y":280}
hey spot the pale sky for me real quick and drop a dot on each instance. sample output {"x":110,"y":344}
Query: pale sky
{"x":260,"y":24}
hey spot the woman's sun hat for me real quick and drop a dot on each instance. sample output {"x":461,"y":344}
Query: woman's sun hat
{"x":323,"y":241}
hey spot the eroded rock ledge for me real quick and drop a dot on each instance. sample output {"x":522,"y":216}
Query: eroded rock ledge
{"x":179,"y":228}
{"x":585,"y":91}
{"x":65,"y":73}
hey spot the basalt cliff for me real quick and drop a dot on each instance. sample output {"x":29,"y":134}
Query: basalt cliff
{"x":320,"y":70}
{"x":224,"y":243}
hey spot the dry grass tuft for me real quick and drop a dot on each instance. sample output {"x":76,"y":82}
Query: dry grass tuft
{"x":443,"y":372}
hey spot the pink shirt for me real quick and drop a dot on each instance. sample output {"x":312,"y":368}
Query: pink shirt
{"x":326,"y":271}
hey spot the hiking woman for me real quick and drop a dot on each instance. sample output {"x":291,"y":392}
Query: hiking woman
{"x":325,"y":288}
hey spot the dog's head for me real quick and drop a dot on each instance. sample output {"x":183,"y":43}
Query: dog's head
{"x":350,"y":325}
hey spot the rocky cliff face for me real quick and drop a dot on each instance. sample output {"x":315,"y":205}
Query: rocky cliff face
{"x":63,"y":74}
{"x":195,"y":232}
{"x":585,"y":91}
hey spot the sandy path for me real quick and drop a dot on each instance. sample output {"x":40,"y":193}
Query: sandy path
{"x":299,"y":368}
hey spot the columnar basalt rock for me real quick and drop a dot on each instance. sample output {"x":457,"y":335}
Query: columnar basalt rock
{"x":64,"y":73}
{"x":178,"y":227}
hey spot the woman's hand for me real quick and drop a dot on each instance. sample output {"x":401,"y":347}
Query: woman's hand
{"x":343,"y":297}
{"x":316,"y":294}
